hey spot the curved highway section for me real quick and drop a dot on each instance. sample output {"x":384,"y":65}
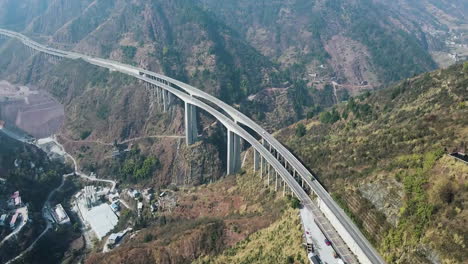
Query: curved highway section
{"x":231,"y":118}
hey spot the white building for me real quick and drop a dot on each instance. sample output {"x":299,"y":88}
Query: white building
{"x":101,"y":219}
{"x":60,"y":216}
{"x":99,"y":216}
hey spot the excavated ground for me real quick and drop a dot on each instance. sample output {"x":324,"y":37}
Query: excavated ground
{"x":34,"y":111}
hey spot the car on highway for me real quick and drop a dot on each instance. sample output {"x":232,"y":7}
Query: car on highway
{"x":327,"y":242}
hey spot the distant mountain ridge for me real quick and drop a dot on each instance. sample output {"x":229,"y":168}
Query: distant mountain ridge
{"x":236,"y":48}
{"x":299,"y":32}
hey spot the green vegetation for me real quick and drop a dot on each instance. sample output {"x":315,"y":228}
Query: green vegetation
{"x":239,"y":67}
{"x":417,"y":211}
{"x":85,"y":134}
{"x":300,"y":130}
{"x":329,"y":117}
{"x":135,"y":167}
{"x":35,"y":176}
{"x":394,"y":140}
{"x":267,"y":245}
{"x":148,"y":238}
{"x":103,"y":111}
{"x":382,"y":42}
{"x":294,"y":202}
{"x":361,"y":111}
{"x":129,"y":52}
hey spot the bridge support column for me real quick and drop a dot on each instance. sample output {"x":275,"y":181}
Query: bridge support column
{"x":276,"y":181}
{"x":156,"y":94}
{"x":151,"y":93}
{"x":169,"y":99}
{"x":164,"y":101}
{"x":233,"y":153}
{"x":191,"y":131}
{"x":268,"y":179}
{"x":284,"y":188}
{"x":161,"y":99}
{"x":255,"y":160}
{"x":261,"y":167}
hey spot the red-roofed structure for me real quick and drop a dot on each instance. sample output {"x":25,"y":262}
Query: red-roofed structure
{"x":13,"y":220}
{"x":15,"y":195}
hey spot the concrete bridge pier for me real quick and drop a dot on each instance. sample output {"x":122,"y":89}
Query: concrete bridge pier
{"x":255,"y":160}
{"x":191,"y":131}
{"x":164,"y":100}
{"x":276,"y":181}
{"x":261,"y":167}
{"x":160,"y":96}
{"x":233,"y":153}
{"x":284,"y":189}
{"x":268,"y":178}
{"x":169,"y":99}
{"x":154,"y":93}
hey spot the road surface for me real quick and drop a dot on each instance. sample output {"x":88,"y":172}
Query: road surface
{"x":24,"y":219}
{"x":45,"y":208}
{"x":196,"y":97}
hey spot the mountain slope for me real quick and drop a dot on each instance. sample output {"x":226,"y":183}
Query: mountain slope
{"x":26,"y":169}
{"x":176,"y":38}
{"x":355,"y":40}
{"x":383,"y":158}
{"x":215,"y":223}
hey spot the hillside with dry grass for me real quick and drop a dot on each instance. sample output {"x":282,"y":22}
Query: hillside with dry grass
{"x":234,"y":220}
{"x":384,"y":157}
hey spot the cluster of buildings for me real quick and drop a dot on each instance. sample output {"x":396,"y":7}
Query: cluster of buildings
{"x":146,"y":195}
{"x":11,"y":220}
{"x":98,"y":207}
{"x":15,"y":215}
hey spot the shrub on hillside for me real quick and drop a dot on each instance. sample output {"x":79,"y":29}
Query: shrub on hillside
{"x":329,"y":117}
{"x":300,"y":130}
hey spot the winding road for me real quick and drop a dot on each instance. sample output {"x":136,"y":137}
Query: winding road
{"x":45,"y":208}
{"x":270,"y":150}
{"x":25,"y":218}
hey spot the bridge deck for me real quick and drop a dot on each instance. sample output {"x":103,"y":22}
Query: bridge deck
{"x":190,"y":94}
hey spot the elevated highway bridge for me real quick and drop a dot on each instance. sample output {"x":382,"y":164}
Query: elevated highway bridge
{"x":269,"y":154}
